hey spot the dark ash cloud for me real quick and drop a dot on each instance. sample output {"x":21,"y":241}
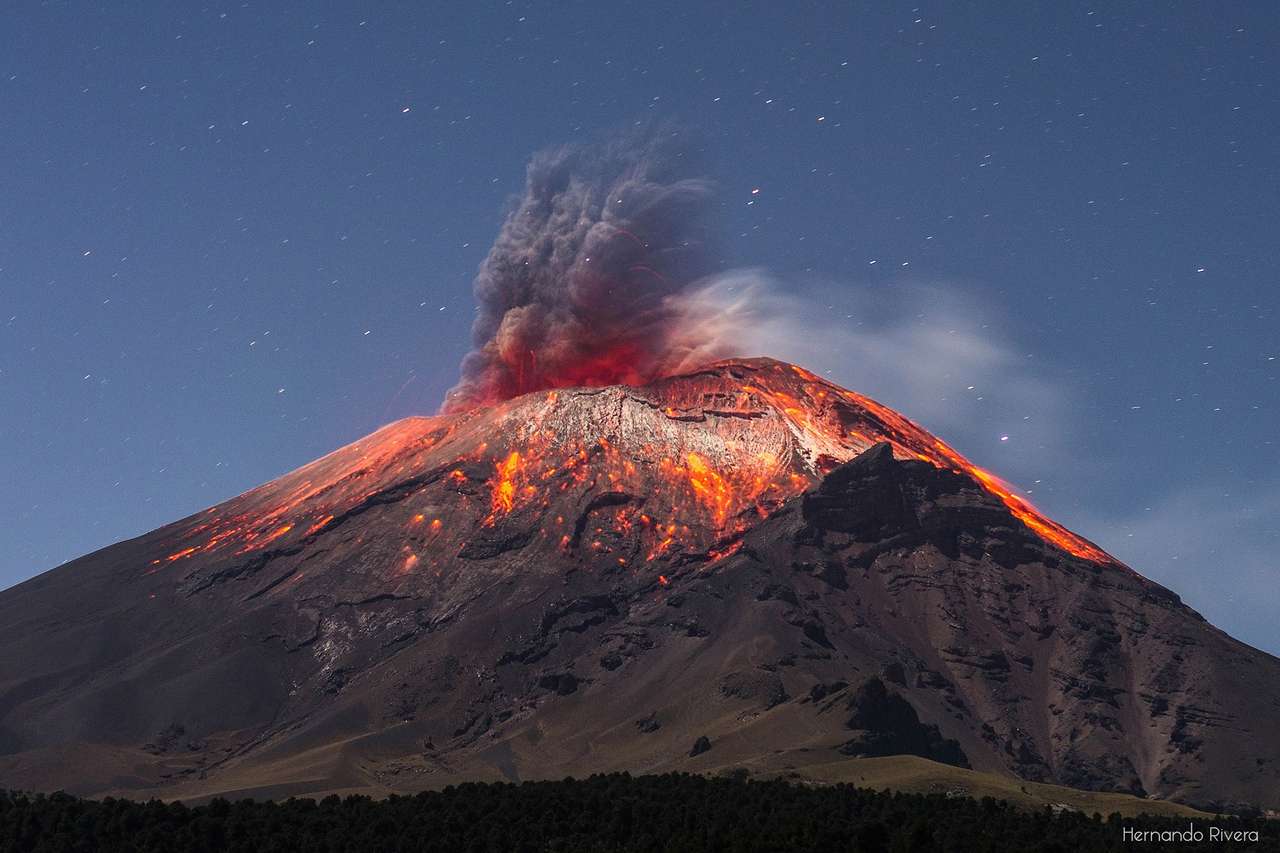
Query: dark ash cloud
{"x":583,"y":284}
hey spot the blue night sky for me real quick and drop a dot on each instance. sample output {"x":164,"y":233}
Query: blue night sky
{"x":234,"y":237}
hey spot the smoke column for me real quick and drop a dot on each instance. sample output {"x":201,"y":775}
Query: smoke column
{"x":589,"y":280}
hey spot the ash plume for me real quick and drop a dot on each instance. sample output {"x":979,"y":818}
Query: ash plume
{"x":586,"y":282}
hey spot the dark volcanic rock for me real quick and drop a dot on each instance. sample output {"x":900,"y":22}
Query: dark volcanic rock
{"x":863,"y":497}
{"x":562,"y":683}
{"x":649,"y":724}
{"x":821,"y":691}
{"x":701,"y":745}
{"x":886,"y":724}
{"x":895,"y":673}
{"x":762,"y":687}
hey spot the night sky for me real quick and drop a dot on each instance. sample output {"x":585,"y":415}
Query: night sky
{"x":234,"y":237}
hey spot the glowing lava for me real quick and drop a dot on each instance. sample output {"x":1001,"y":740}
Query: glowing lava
{"x":677,"y":470}
{"x":504,"y":488}
{"x":711,"y":488}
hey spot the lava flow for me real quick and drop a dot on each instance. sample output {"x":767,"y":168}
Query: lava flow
{"x":676,"y":470}
{"x":910,"y":440}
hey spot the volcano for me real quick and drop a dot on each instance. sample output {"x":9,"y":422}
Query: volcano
{"x":740,"y":567}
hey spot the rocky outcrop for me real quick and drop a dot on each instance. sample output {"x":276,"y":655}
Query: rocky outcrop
{"x":885,"y":724}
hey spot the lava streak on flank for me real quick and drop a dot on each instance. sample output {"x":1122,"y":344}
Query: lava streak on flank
{"x":912,"y":441}
{"x":711,"y":489}
{"x":307,"y":502}
{"x":504,"y":485}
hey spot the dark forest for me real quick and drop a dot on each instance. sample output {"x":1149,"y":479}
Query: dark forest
{"x":617,"y":812}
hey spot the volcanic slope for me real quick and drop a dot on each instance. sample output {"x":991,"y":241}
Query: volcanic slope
{"x":740,"y":567}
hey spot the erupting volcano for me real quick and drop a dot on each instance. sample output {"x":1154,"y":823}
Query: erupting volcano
{"x":615,"y":549}
{"x":586,"y":579}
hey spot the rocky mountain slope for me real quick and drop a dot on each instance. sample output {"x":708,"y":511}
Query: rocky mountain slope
{"x":741,"y":567}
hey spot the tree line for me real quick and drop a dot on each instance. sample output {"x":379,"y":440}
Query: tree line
{"x":617,"y":812}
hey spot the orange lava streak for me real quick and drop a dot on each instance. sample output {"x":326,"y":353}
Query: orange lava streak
{"x":504,"y":485}
{"x":319,"y":525}
{"x":314,"y":495}
{"x":727,"y":551}
{"x":710,"y":488}
{"x":255,"y":543}
{"x":911,"y":440}
{"x":1047,"y":528}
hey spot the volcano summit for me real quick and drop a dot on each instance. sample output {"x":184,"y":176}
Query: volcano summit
{"x":742,"y":566}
